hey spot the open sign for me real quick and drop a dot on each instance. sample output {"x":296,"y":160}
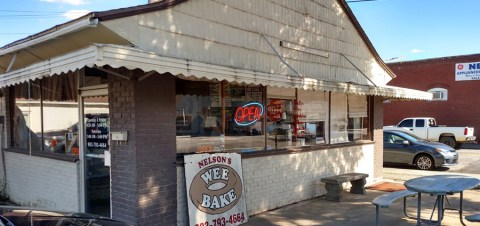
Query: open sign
{"x":248,"y":114}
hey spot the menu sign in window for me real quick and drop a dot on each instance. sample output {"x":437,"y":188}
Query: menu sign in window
{"x":97,"y":131}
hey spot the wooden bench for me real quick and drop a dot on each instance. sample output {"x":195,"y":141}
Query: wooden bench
{"x":386,"y":200}
{"x":473,"y":218}
{"x":334,"y":186}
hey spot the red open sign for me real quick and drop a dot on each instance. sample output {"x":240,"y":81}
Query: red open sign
{"x":248,"y":114}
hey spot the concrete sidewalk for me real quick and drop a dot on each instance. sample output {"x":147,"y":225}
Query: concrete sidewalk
{"x":358,"y":210}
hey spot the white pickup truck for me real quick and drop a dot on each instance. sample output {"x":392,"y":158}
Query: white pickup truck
{"x":428,"y":129}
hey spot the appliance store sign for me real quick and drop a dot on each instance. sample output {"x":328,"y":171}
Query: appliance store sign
{"x":215,"y":192}
{"x":467,"y":71}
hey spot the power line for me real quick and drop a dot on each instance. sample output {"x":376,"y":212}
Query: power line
{"x":27,"y":11}
{"x":22,"y":14}
{"x":354,"y":1}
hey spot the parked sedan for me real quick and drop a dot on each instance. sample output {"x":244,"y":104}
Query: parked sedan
{"x":400,"y":147}
{"x":24,"y":216}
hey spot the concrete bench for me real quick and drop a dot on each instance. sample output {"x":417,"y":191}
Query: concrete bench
{"x":473,"y":218}
{"x":334,"y":186}
{"x":386,"y":200}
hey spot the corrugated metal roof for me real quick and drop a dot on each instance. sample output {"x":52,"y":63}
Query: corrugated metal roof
{"x":134,"y":58}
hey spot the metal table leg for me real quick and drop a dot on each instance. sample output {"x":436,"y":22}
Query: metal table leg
{"x":419,"y":207}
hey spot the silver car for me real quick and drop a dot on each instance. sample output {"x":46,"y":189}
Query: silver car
{"x":400,"y":147}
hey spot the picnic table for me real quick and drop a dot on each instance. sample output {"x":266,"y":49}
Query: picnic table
{"x":440,"y":186}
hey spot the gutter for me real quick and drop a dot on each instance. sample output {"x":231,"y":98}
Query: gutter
{"x":74,"y":27}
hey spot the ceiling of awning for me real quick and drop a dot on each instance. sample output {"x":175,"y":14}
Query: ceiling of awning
{"x":117,"y":56}
{"x":66,"y":39}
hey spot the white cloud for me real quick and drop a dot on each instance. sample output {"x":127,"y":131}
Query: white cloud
{"x":417,"y":51}
{"x":74,"y":14}
{"x":70,"y":2}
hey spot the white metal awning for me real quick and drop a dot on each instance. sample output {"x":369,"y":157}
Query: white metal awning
{"x":133,"y":58}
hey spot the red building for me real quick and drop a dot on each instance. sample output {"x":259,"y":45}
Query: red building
{"x":454,"y":81}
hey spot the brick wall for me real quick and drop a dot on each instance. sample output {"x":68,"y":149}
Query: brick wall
{"x":124,"y":160}
{"x":144,"y":178}
{"x":43,"y":182}
{"x":460,"y":109}
{"x":278,"y":180}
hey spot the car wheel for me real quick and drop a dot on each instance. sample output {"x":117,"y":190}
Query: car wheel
{"x":448,"y":141}
{"x":424,"y":162}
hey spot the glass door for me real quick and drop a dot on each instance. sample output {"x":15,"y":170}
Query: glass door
{"x":96,"y":158}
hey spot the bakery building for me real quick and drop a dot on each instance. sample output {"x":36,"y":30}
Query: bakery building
{"x":101,"y":112}
{"x":451,"y":80}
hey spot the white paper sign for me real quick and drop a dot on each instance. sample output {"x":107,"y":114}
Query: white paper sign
{"x":467,"y":71}
{"x":215,"y":192}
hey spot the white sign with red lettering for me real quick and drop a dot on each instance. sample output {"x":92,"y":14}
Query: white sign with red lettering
{"x":215,"y":192}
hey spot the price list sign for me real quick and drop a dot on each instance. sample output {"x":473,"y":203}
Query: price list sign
{"x":97,"y":131}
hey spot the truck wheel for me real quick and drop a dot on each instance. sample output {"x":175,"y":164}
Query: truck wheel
{"x":448,"y":141}
{"x":424,"y":162}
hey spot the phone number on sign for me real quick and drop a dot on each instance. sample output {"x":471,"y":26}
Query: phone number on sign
{"x":233,"y":219}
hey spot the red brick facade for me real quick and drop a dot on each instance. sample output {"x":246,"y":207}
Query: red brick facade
{"x":461,"y":107}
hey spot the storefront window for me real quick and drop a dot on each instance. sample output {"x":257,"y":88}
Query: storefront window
{"x":46,"y":115}
{"x":216,"y":116}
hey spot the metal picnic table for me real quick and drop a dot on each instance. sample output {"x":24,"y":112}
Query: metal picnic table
{"x":441,"y":186}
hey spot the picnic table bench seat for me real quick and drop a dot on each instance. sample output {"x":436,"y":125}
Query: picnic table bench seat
{"x":333,"y":185}
{"x":473,"y":218}
{"x":386,"y":200}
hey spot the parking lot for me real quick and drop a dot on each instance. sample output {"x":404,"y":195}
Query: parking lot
{"x":358,"y":210}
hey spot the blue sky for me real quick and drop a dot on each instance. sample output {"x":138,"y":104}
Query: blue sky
{"x":401,"y":30}
{"x":419,"y":29}
{"x":21,"y":18}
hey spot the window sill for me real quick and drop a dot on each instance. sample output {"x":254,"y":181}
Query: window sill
{"x":284,"y":151}
{"x":62,"y":157}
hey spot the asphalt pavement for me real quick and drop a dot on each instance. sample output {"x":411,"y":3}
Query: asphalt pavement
{"x":358,"y":210}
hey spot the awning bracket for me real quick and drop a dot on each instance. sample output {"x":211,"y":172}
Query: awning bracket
{"x":12,"y":62}
{"x":358,"y":69}
{"x":280,"y":57}
{"x":112,"y":73}
{"x":146,"y":75}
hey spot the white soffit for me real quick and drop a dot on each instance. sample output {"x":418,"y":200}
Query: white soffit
{"x":132,"y":58}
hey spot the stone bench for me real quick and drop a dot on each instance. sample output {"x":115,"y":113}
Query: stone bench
{"x":334,"y":186}
{"x":386,"y":200}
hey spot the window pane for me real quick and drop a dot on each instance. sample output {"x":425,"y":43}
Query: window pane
{"x":358,"y":127}
{"x":280,"y":118}
{"x":60,"y":114}
{"x":339,"y":118}
{"x":198,"y":116}
{"x":312,"y":117}
{"x":26,"y":113}
{"x":406,"y":123}
{"x":244,"y":112}
{"x":420,"y":123}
